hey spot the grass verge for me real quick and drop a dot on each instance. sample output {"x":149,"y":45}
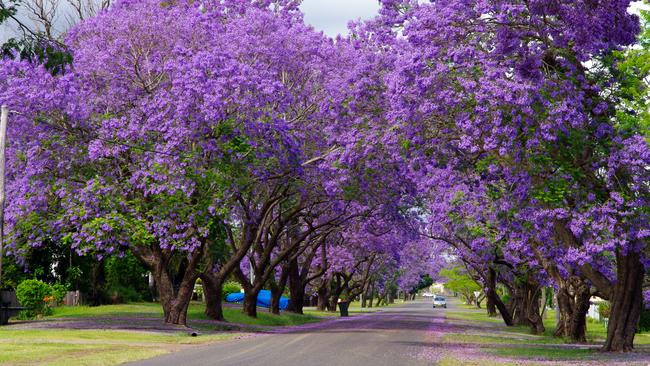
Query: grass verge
{"x":90,"y":347}
{"x":491,"y":342}
{"x":543,"y":353}
{"x":195,"y":312}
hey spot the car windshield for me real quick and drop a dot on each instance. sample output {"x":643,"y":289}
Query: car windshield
{"x":440,"y":299}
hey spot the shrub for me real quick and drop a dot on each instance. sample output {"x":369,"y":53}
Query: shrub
{"x":604,"y":310}
{"x":35,"y":295}
{"x":644,"y":321}
{"x":58,"y":292}
{"x":122,"y":294}
{"x":126,"y":280}
{"x":505,"y":298}
{"x":198,"y":289}
{"x":230,"y":287}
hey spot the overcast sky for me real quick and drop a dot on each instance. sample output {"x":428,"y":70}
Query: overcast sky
{"x":332,"y":16}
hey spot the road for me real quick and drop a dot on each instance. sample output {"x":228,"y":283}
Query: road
{"x":394,"y":336}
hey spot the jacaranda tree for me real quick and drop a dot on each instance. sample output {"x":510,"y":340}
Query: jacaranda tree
{"x":211,"y":139}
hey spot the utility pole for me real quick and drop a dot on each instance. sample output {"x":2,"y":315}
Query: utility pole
{"x":4,"y":116}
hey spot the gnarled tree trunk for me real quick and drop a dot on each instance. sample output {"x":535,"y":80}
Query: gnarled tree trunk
{"x":323,"y":294}
{"x":296,"y":287}
{"x":573,"y":303}
{"x":175,"y":290}
{"x":526,"y":306}
{"x":379,"y":299}
{"x":627,"y":302}
{"x":276,"y":292}
{"x":213,"y":292}
{"x":493,"y":297}
{"x":249,"y":306}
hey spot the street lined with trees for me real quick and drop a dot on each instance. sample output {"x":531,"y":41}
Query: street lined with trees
{"x":499,"y":146}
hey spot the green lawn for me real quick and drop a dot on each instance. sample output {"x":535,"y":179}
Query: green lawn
{"x":543,"y":353}
{"x":90,"y":347}
{"x":112,"y":347}
{"x":596,"y":331}
{"x":515,"y":345}
{"x":502,"y":338}
{"x":472,"y":316}
{"x":195,"y":312}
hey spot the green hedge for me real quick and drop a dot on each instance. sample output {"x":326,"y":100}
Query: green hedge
{"x":230,"y":287}
{"x":36,"y":296}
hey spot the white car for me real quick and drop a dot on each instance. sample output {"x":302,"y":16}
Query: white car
{"x":439,"y":302}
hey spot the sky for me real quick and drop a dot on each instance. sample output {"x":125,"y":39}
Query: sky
{"x":329,"y":16}
{"x":332,"y":16}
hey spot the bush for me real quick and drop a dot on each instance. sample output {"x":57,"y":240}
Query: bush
{"x":198,"y":289}
{"x":123,"y":294}
{"x":505,"y":298}
{"x":604,"y":310}
{"x":230,"y":288}
{"x":644,"y":321}
{"x":58,"y":292}
{"x":35,"y":295}
{"x":126,"y":280}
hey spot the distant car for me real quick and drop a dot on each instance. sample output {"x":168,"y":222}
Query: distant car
{"x":439,"y":302}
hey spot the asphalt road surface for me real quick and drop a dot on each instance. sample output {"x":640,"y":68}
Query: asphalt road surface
{"x":394,"y":336}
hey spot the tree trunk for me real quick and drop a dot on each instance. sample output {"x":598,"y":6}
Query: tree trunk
{"x":249,"y":307}
{"x":494,"y":298}
{"x":296,"y":288}
{"x":371,"y":295}
{"x":175,"y":290}
{"x":379,"y":298}
{"x":565,"y":309}
{"x":526,"y":306}
{"x":335,"y":295}
{"x":174,"y":302}
{"x":276,"y":294}
{"x":322,"y":297}
{"x":297,"y":298}
{"x":365,"y":293}
{"x":479,"y":300}
{"x":503,"y":310}
{"x":627,"y":301}
{"x":332,"y":303}
{"x":490,"y":293}
{"x":573,"y":303}
{"x":212,"y":290}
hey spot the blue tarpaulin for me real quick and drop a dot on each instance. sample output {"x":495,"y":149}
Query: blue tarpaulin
{"x":263,"y":299}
